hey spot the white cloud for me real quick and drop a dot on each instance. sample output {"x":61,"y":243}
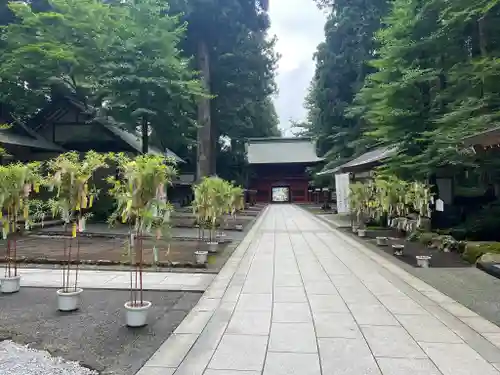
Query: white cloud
{"x":298,"y":24}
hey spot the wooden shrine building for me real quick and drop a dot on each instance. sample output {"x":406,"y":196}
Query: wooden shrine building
{"x":278,"y":168}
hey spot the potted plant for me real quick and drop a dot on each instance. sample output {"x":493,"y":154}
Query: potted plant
{"x":139,"y":191}
{"x":17,"y":182}
{"x":423,"y":261}
{"x":209,"y":205}
{"x":398,"y":249}
{"x":382,"y":241}
{"x":237,"y":203}
{"x":69,"y":176}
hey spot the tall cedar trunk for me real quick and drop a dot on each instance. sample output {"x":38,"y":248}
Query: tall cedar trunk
{"x":205,"y":151}
{"x":145,"y":135}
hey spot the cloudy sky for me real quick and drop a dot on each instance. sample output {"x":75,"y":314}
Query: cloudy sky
{"x":298,"y":24}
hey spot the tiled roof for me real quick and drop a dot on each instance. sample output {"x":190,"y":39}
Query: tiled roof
{"x":488,"y":137}
{"x":281,"y":151}
{"x":372,"y":156}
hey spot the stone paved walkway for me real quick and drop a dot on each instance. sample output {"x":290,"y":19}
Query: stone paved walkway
{"x":42,"y":277}
{"x":298,"y":298}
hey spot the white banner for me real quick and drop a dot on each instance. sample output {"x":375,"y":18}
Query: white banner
{"x":342,"y":191}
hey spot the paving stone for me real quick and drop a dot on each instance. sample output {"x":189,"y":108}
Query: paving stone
{"x":293,"y":337}
{"x":320,"y":287}
{"x":240,"y":352}
{"x":340,"y":325}
{"x":391,"y":341}
{"x":207,"y":304}
{"x":372,"y":315}
{"x":458,"y":309}
{"x":357,"y":295}
{"x":292,"y":364}
{"x":326,"y":303}
{"x":457,"y":359}
{"x":156,"y":371}
{"x":172,"y":351}
{"x":195,"y":322}
{"x":255,"y":302}
{"x":428,"y":329}
{"x":402,"y":306}
{"x":250,"y":323}
{"x":481,"y":325}
{"x":291,"y":313}
{"x":405,"y":366}
{"x":287,"y":280}
{"x":230,"y":372}
{"x":289,"y":294}
{"x":347,"y":357}
{"x":494,"y":338}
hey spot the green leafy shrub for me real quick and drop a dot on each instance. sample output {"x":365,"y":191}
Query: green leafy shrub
{"x":427,"y":238}
{"x":481,"y":225}
{"x":474,"y":251}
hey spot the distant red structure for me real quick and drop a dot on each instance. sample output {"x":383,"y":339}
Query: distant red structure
{"x":278,"y":168}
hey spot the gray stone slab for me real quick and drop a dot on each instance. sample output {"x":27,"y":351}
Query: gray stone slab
{"x":457,"y":359}
{"x":341,"y":325}
{"x":250,"y":323}
{"x":172,"y":351}
{"x":156,"y":371}
{"x":207,"y":304}
{"x":427,"y":328}
{"x":258,"y":287}
{"x":346,"y":357}
{"x":293,"y":337}
{"x":292,"y":364}
{"x":291,"y":313}
{"x":232,"y":294}
{"x":494,"y":338}
{"x":401,"y":306}
{"x":195,"y":322}
{"x":240,"y":352}
{"x":458,"y":309}
{"x":327,"y":303}
{"x":497,"y":366}
{"x":288,"y":280}
{"x":406,"y":366}
{"x":255,"y":302}
{"x":320,"y":287}
{"x":230,"y":372}
{"x":391,"y":341}
{"x":373,"y":315}
{"x":357,"y":295}
{"x":481,"y":325}
{"x":289,"y":294}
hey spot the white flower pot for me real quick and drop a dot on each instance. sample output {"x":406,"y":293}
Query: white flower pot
{"x":213,"y":247}
{"x":10,"y":284}
{"x":382,"y":241}
{"x":398,"y":249}
{"x":239,"y":227}
{"x":201,"y":257}
{"x":136,"y":316}
{"x":354,"y":229}
{"x":362,"y":232}
{"x":68,"y":301}
{"x":423,"y":261}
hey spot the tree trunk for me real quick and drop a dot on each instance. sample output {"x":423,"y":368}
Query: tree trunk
{"x":204,"y":152}
{"x":145,"y":135}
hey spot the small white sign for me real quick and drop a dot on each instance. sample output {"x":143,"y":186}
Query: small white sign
{"x":439,"y":205}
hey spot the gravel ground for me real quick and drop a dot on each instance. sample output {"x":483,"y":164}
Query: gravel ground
{"x":95,"y":336}
{"x":21,"y":360}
